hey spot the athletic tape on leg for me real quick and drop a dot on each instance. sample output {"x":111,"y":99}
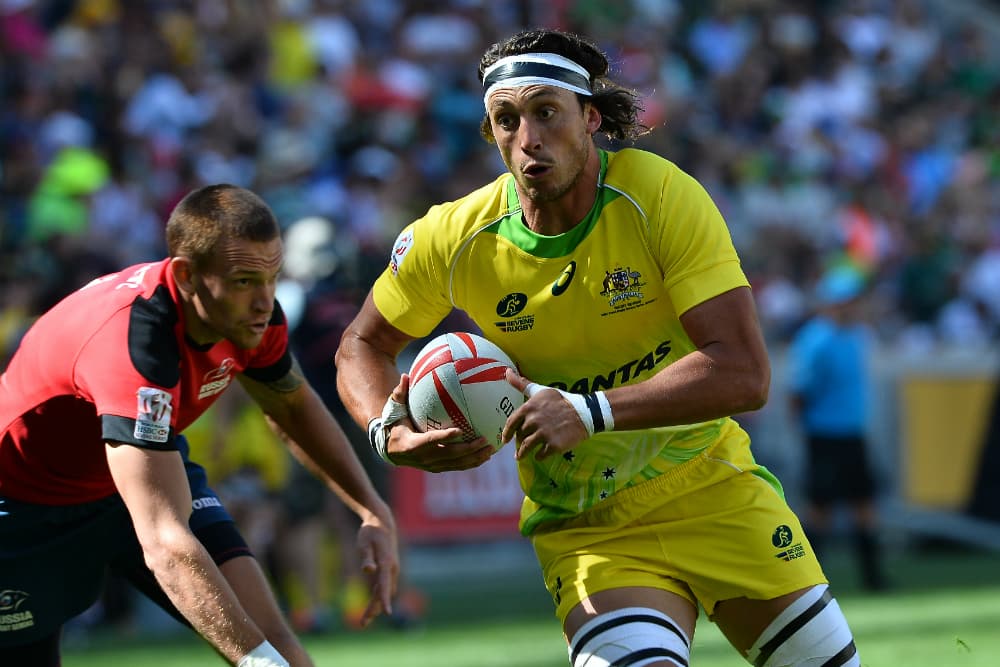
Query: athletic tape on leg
{"x":810,"y":632}
{"x":634,"y":636}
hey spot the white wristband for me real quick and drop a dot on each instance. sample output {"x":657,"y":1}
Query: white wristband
{"x":378,"y":439}
{"x":264,"y":655}
{"x":378,"y":427}
{"x":594,"y":409}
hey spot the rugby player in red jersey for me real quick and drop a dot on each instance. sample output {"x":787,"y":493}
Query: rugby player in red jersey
{"x":94,"y":471}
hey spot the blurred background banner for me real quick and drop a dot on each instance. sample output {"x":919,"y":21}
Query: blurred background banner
{"x":467,"y":506}
{"x":943,"y":436}
{"x":944,"y":422}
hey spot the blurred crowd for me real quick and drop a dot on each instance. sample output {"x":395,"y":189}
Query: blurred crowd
{"x":835,"y":131}
{"x":864,"y":130}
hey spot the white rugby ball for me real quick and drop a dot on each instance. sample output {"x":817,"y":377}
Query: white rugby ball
{"x":457,"y":380}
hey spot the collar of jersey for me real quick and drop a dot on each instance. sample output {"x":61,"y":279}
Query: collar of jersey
{"x":512,"y":226}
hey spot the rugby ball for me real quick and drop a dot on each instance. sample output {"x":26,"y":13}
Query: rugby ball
{"x":457,"y":380}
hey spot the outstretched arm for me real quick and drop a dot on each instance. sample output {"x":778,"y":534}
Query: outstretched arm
{"x":156,"y":492}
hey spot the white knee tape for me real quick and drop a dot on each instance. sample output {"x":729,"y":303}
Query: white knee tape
{"x":810,"y":632}
{"x":634,"y":636}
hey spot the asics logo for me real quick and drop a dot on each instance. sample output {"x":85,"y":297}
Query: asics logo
{"x":564,"y":279}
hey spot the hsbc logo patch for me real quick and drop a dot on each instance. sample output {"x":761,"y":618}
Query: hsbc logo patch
{"x":153,"y":412}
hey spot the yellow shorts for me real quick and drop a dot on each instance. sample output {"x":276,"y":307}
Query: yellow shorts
{"x":714,"y":528}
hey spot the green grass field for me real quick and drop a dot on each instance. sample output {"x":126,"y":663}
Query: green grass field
{"x":944,"y":612}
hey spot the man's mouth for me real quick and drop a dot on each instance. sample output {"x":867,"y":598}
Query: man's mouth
{"x":536,"y":170}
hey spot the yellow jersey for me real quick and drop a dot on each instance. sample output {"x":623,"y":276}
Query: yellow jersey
{"x":591,"y":309}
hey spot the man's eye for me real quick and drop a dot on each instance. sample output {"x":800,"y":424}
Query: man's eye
{"x":505,"y":122}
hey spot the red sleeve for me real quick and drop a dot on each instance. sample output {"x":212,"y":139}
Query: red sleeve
{"x":131,"y":407}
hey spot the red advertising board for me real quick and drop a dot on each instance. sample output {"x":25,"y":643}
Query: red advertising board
{"x":477,"y":504}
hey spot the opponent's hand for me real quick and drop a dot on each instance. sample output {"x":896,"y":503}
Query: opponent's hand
{"x":547,"y":423}
{"x":378,"y":548}
{"x":435,"y":451}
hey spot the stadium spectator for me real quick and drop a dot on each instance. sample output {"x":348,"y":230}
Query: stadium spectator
{"x":95,"y":74}
{"x":94,"y":471}
{"x":626,"y":302}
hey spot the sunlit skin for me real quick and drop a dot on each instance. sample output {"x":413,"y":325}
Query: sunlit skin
{"x":545,"y":138}
{"x":233,"y":297}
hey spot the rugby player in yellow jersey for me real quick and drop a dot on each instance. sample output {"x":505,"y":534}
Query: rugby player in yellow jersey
{"x":610,"y":278}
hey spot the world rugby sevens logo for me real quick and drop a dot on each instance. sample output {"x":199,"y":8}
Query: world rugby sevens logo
{"x":782,"y":536}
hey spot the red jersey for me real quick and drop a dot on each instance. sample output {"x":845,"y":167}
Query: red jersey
{"x":111,"y":362}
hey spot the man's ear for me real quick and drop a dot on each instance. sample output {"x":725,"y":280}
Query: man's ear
{"x":183,"y":273}
{"x":594,"y":118}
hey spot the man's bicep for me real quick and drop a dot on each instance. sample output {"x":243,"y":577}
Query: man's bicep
{"x":374,"y":332}
{"x":729,"y":319}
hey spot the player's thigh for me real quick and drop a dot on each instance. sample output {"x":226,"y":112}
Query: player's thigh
{"x":52,"y":564}
{"x":581,"y":564}
{"x":677,"y":607}
{"x":651,"y":627}
{"x":742,"y":620}
{"x":742,"y":541}
{"x":805,"y":627}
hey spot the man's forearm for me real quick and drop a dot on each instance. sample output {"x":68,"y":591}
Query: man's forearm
{"x":198,"y":589}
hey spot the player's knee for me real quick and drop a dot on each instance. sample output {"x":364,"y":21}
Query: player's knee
{"x":811,"y":632}
{"x":633,"y":636}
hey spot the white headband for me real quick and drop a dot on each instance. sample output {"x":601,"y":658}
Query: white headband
{"x":526,"y":69}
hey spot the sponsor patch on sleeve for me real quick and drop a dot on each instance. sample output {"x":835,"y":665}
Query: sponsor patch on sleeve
{"x":152,"y":419}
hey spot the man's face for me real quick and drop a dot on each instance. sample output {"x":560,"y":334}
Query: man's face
{"x":234,"y":294}
{"x":544,"y":137}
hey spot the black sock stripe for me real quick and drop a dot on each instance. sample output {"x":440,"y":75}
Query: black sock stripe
{"x":642,"y":654}
{"x":794,"y":626}
{"x":595,"y":411}
{"x":615,"y":622}
{"x":843,"y":656}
